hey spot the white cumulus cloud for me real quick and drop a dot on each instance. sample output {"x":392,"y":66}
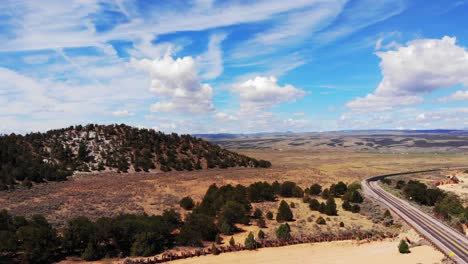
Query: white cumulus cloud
{"x":177,"y":84}
{"x":409,"y":72}
{"x":262,"y":92}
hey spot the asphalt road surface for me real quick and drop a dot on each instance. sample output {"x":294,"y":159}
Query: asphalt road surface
{"x":448,"y":240}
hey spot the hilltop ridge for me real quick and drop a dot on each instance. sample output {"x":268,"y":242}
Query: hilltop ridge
{"x":56,"y":154}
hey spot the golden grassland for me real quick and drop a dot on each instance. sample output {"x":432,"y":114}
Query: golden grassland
{"x":108,"y":194}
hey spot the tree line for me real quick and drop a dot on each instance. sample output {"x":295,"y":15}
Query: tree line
{"x":446,"y":205}
{"x":34,"y":240}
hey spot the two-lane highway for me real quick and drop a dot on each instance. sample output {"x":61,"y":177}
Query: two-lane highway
{"x":448,"y":240}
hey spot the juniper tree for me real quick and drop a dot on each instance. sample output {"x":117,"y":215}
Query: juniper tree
{"x":283,"y":232}
{"x":284,"y":212}
{"x":250,"y":242}
{"x":403,"y":247}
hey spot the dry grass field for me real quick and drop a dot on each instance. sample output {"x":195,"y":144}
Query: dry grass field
{"x":330,"y":253}
{"x":107,"y":194}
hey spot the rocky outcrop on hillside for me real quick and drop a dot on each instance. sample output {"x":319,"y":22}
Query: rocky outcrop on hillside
{"x":57,"y":153}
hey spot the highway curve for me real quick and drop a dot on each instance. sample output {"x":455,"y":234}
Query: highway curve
{"x":449,"y":241}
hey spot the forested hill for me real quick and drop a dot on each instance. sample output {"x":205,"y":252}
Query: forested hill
{"x":58,"y":153}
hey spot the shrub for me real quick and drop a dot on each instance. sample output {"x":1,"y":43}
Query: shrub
{"x":197,"y":228}
{"x":298,"y":192}
{"x":218,"y":239}
{"x":257,"y":213}
{"x":214,"y":249}
{"x":418,"y":192}
{"x":354,"y":186}
{"x":261,"y":234}
{"x":315,"y":189}
{"x":261,"y":223}
{"x":227,"y":228}
{"x":353,"y":196}
{"x":338,"y":189}
{"x":187,"y":203}
{"x":90,"y":253}
{"x":276,"y":186}
{"x":269,"y":215}
{"x":341,"y":224}
{"x":330,"y":207}
{"x":322,"y":207}
{"x":321,"y":221}
{"x":77,"y":234}
{"x":264,"y":164}
{"x":400,"y":184}
{"x":233,"y":212}
{"x":287,"y":189}
{"x":147,"y":244}
{"x":232,"y":242}
{"x":356,"y":208}
{"x":261,"y":191}
{"x":403,"y":247}
{"x":284,"y":212}
{"x":314,"y":205}
{"x":306,"y":199}
{"x":386,"y":181}
{"x":283,"y":232}
{"x":250,"y":242}
{"x":449,"y":206}
{"x":292,"y":205}
{"x":387,"y":214}
{"x":325,"y":194}
{"x":346,"y":206}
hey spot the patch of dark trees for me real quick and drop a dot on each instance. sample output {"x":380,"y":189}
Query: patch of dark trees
{"x":52,"y":156}
{"x":34,"y":240}
{"x":445,"y":205}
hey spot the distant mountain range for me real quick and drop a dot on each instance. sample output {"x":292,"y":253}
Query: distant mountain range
{"x":369,"y":131}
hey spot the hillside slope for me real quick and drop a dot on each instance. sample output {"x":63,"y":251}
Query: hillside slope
{"x":57,"y":153}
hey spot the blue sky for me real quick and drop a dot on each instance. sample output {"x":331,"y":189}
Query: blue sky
{"x":207,"y":66}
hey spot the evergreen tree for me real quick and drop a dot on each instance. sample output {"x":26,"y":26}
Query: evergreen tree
{"x":91,"y":252}
{"x":214,"y":249}
{"x":261,"y":234}
{"x":315,"y":189}
{"x":284,"y":212}
{"x":227,"y":228}
{"x":387,"y":214}
{"x":258,"y":213}
{"x":82,"y":152}
{"x":218,"y":239}
{"x":314,"y":205}
{"x":250,"y":242}
{"x":403,"y":247}
{"x":355,"y":208}
{"x":325,"y":194}
{"x":346,"y":206}
{"x":232,"y":242}
{"x":261,"y":223}
{"x":330,"y":207}
{"x":321,"y":221}
{"x":269,"y":215}
{"x":187,"y":203}
{"x":283,"y":232}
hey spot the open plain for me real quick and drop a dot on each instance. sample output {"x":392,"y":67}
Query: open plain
{"x":107,"y":194}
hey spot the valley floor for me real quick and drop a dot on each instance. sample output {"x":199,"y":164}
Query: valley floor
{"x":330,"y":252}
